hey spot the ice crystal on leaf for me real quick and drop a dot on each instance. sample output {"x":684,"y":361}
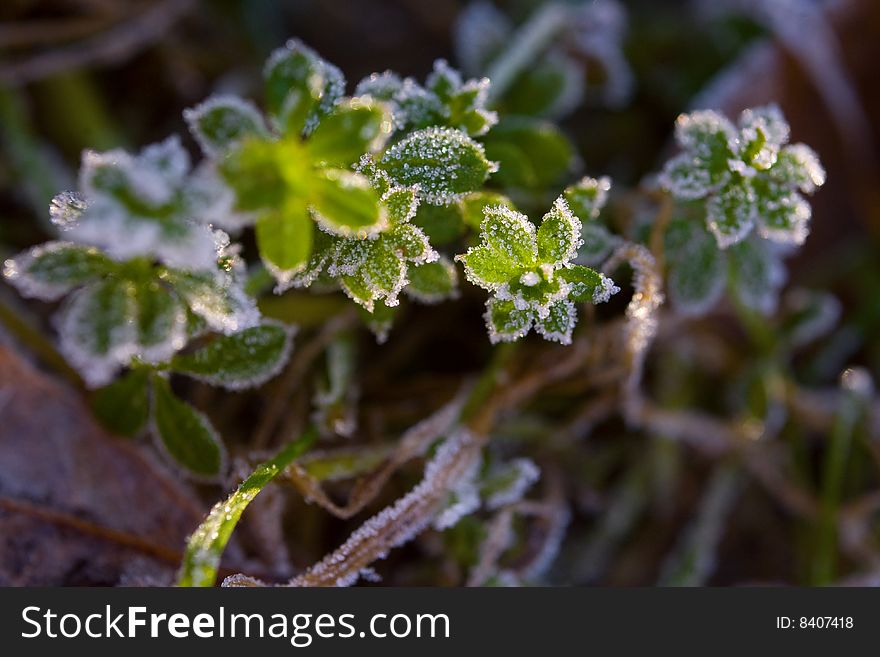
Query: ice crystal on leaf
{"x":748,"y":175}
{"x":530,"y":273}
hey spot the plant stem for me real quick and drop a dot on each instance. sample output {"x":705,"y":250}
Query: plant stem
{"x":539,"y":31}
{"x":492,"y":376}
{"x":824,"y":567}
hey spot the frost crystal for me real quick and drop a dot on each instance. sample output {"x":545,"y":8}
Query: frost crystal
{"x":530,"y":273}
{"x":748,"y":175}
{"x":507,"y":484}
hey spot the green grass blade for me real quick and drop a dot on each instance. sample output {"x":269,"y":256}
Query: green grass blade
{"x":207,"y":543}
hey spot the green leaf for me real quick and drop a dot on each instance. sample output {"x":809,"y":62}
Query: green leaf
{"x":205,"y":547}
{"x":697,"y":268}
{"x":547,"y":89}
{"x":530,"y":153}
{"x":730,"y":214}
{"x":510,"y":235}
{"x":410,"y":243}
{"x":782,"y":215}
{"x":587,"y":286}
{"x":161,"y":322}
{"x":185,"y":434}
{"x":354,"y":127}
{"x":344,"y":203}
{"x":798,"y":166}
{"x":442,"y":223}
{"x":559,"y":235}
{"x":401,"y":204}
{"x":443,"y":162}
{"x":123,"y":406}
{"x":559,"y":323}
{"x":587,"y":197}
{"x":505,"y":322}
{"x":216,"y":298}
{"x":97,"y":329}
{"x":51,"y":270}
{"x":756,"y":275}
{"x":253,"y":172}
{"x":433,"y":282}
{"x":299,"y":86}
{"x":222,"y":122}
{"x":763,"y":131}
{"x":473,"y":206}
{"x":284,"y":239}
{"x":242,"y":360}
{"x":709,"y":138}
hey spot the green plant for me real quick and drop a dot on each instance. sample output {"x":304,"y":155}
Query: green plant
{"x":379,"y":195}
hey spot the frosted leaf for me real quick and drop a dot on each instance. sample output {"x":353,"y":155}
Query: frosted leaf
{"x":757,"y":275}
{"x":384,"y":274}
{"x":223,"y":121}
{"x":444,"y":80}
{"x":354,"y":126}
{"x":559,"y":323}
{"x":167,"y":159}
{"x":480,"y":33}
{"x":509,"y":244}
{"x":799,"y":166}
{"x":507,"y":484}
{"x":242,"y":360}
{"x":697,"y":269}
{"x":588,"y":196}
{"x":510,"y":235}
{"x":98,"y":330}
{"x":783,"y":217}
{"x":730,"y":214}
{"x":371,"y":270}
{"x":51,"y":270}
{"x":763,"y":131}
{"x":505,"y":322}
{"x":138,"y":206}
{"x":66,"y":209}
{"x":685,"y":177}
{"x":708,"y":134}
{"x":161,"y":323}
{"x":301,"y":87}
{"x":213,"y":202}
{"x":443,"y":163}
{"x":559,"y":235}
{"x":381,"y":86}
{"x":219,"y":299}
{"x":587,"y":285}
{"x":346,"y":204}
{"x":410,"y":243}
{"x":401,"y":203}
{"x":433,"y":282}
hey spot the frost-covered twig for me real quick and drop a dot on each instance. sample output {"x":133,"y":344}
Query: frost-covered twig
{"x":641,"y":317}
